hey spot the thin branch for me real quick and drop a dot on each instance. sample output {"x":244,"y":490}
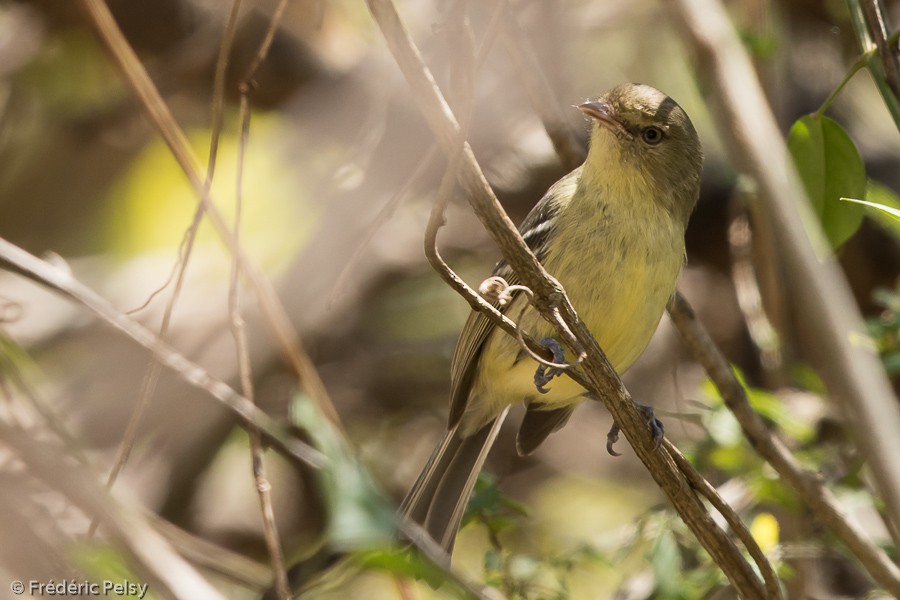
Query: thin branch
{"x":549,"y":297}
{"x":160,"y":116}
{"x":212,"y":557}
{"x":238,"y":326}
{"x":849,"y":364}
{"x":14,"y":258}
{"x":773,"y":585}
{"x":865,"y":34}
{"x":808,"y":486}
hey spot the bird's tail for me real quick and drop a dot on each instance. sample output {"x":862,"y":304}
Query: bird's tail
{"x":438,"y":498}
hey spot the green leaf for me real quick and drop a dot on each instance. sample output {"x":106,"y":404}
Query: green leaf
{"x":831,"y":168}
{"x":359,"y":516}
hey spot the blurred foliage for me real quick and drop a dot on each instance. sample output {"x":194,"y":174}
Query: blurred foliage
{"x":73,"y":78}
{"x":107,"y":564}
{"x":151,"y":204}
{"x":885,"y":328}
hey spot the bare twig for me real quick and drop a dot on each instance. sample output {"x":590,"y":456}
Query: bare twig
{"x":431,"y":550}
{"x":238,"y":327}
{"x":212,"y":557}
{"x":166,"y":572}
{"x":851,"y":368}
{"x":43,"y":273}
{"x":549,"y":297}
{"x":808,"y":486}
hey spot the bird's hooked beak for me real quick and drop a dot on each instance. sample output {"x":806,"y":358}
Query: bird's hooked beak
{"x":605,"y":116}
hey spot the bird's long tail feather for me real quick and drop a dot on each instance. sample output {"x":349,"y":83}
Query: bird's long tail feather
{"x":438,"y":498}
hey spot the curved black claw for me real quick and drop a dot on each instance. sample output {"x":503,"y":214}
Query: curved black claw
{"x":611,"y":438}
{"x":544,"y":374}
{"x":657,"y":430}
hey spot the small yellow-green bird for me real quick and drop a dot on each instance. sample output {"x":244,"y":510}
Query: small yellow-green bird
{"x":612,"y":232}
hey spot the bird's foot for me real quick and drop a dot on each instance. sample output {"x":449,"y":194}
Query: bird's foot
{"x":657,"y":429}
{"x":544,"y":374}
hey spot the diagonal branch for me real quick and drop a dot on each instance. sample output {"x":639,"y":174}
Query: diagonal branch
{"x":14,"y":258}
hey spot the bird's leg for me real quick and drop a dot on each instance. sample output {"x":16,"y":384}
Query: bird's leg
{"x":544,"y":374}
{"x":657,"y":429}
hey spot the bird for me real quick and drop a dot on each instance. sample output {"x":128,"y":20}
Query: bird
{"x":612,"y":233}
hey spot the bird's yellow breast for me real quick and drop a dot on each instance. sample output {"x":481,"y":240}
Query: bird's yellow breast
{"x":618,"y":270}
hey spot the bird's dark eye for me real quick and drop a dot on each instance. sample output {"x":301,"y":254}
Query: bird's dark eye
{"x":652,"y":135}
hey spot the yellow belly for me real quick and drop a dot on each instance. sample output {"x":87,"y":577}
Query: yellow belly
{"x":619,"y":285}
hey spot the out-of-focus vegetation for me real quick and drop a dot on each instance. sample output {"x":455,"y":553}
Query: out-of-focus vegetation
{"x":334,"y":135}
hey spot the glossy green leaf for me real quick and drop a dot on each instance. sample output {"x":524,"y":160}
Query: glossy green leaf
{"x":831,"y":168}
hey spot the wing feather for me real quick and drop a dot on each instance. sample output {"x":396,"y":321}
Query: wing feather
{"x":535,"y":229}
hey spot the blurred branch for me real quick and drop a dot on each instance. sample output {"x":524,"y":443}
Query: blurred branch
{"x":808,"y":486}
{"x":168,"y":575}
{"x":160,"y":116}
{"x":238,"y":326}
{"x":749,"y":297}
{"x":550,"y":300}
{"x":41,"y":272}
{"x":212,"y":557}
{"x":428,"y":161}
{"x":542,"y":95}
{"x":851,"y":368}
{"x":17,"y":260}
